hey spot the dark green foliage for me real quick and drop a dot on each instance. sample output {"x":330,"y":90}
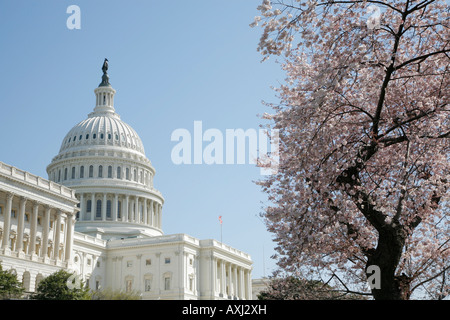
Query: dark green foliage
{"x":10,"y":287}
{"x":61,"y":286}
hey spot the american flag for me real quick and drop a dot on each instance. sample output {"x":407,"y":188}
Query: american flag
{"x":220,"y":219}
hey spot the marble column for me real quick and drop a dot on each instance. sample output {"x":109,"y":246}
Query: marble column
{"x":45,"y":231}
{"x":7,"y":220}
{"x":115,"y":206}
{"x":145,"y":213}
{"x":104,"y":202}
{"x":93,"y":206}
{"x":150,"y":214}
{"x":82,"y":208}
{"x":57,"y":235}
{"x":69,"y":238}
{"x":20,"y":225}
{"x":33,"y":228}
{"x":125,"y":213}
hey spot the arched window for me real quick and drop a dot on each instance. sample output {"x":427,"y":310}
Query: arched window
{"x":89,"y":206}
{"x":119,"y":173}
{"x":127,"y":174}
{"x":73,"y":172}
{"x":109,"y":171}
{"x":119,"y":209}
{"x":59,"y":175}
{"x":91,"y":171}
{"x":82,"y":172}
{"x":65,"y":174}
{"x":98,"y":211}
{"x":135,"y":175}
{"x":108,"y":209}
{"x":100,"y":171}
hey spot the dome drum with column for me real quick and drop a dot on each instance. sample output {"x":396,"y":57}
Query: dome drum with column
{"x":103,"y":159}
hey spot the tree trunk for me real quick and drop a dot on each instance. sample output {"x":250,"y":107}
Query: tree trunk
{"x":387,"y":256}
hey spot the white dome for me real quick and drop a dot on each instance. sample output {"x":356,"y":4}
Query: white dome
{"x":102,"y":130}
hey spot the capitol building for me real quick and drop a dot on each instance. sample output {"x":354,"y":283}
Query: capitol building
{"x":99,"y":215}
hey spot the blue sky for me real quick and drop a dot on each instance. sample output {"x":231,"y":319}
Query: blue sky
{"x":172,"y":63}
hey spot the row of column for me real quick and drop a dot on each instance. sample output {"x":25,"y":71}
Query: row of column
{"x":231,"y":280}
{"x":60,"y":218}
{"x":118,"y":207}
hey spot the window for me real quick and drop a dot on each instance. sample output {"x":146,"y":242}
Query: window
{"x":119,"y":173}
{"x":27,"y":216}
{"x":88,"y":206}
{"x":98,"y":212}
{"x":108,"y":209}
{"x":129,"y":285}
{"x":82,"y":172}
{"x":91,"y":171}
{"x":100,"y":171}
{"x":65,"y":174}
{"x":191,"y":284}
{"x":59,"y":175}
{"x":148,"y":262}
{"x":39,"y":220}
{"x":80,"y":137}
{"x":13,"y":213}
{"x":73,"y":172}
{"x":109,"y":136}
{"x":1,"y":210}
{"x":191,"y":261}
{"x":101,"y":136}
{"x":89,"y":262}
{"x":135,"y":175}
{"x":167,"y":283}
{"x":167,"y":260}
{"x":74,"y":138}
{"x":94,"y":136}
{"x":98,"y":264}
{"x":87,"y":136}
{"x":129,"y":264}
{"x":148,"y":285}
{"x":97,"y":285}
{"x":109,"y":171}
{"x":119,"y":209}
{"x":127,"y":174}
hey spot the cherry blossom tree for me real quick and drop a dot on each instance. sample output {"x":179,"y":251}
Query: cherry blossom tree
{"x":363,"y":183}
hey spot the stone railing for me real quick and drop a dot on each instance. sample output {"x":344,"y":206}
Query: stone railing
{"x":35,"y":180}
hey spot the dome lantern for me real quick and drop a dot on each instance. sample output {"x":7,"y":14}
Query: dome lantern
{"x":104,"y":93}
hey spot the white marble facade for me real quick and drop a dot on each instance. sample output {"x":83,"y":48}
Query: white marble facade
{"x":100,"y":216}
